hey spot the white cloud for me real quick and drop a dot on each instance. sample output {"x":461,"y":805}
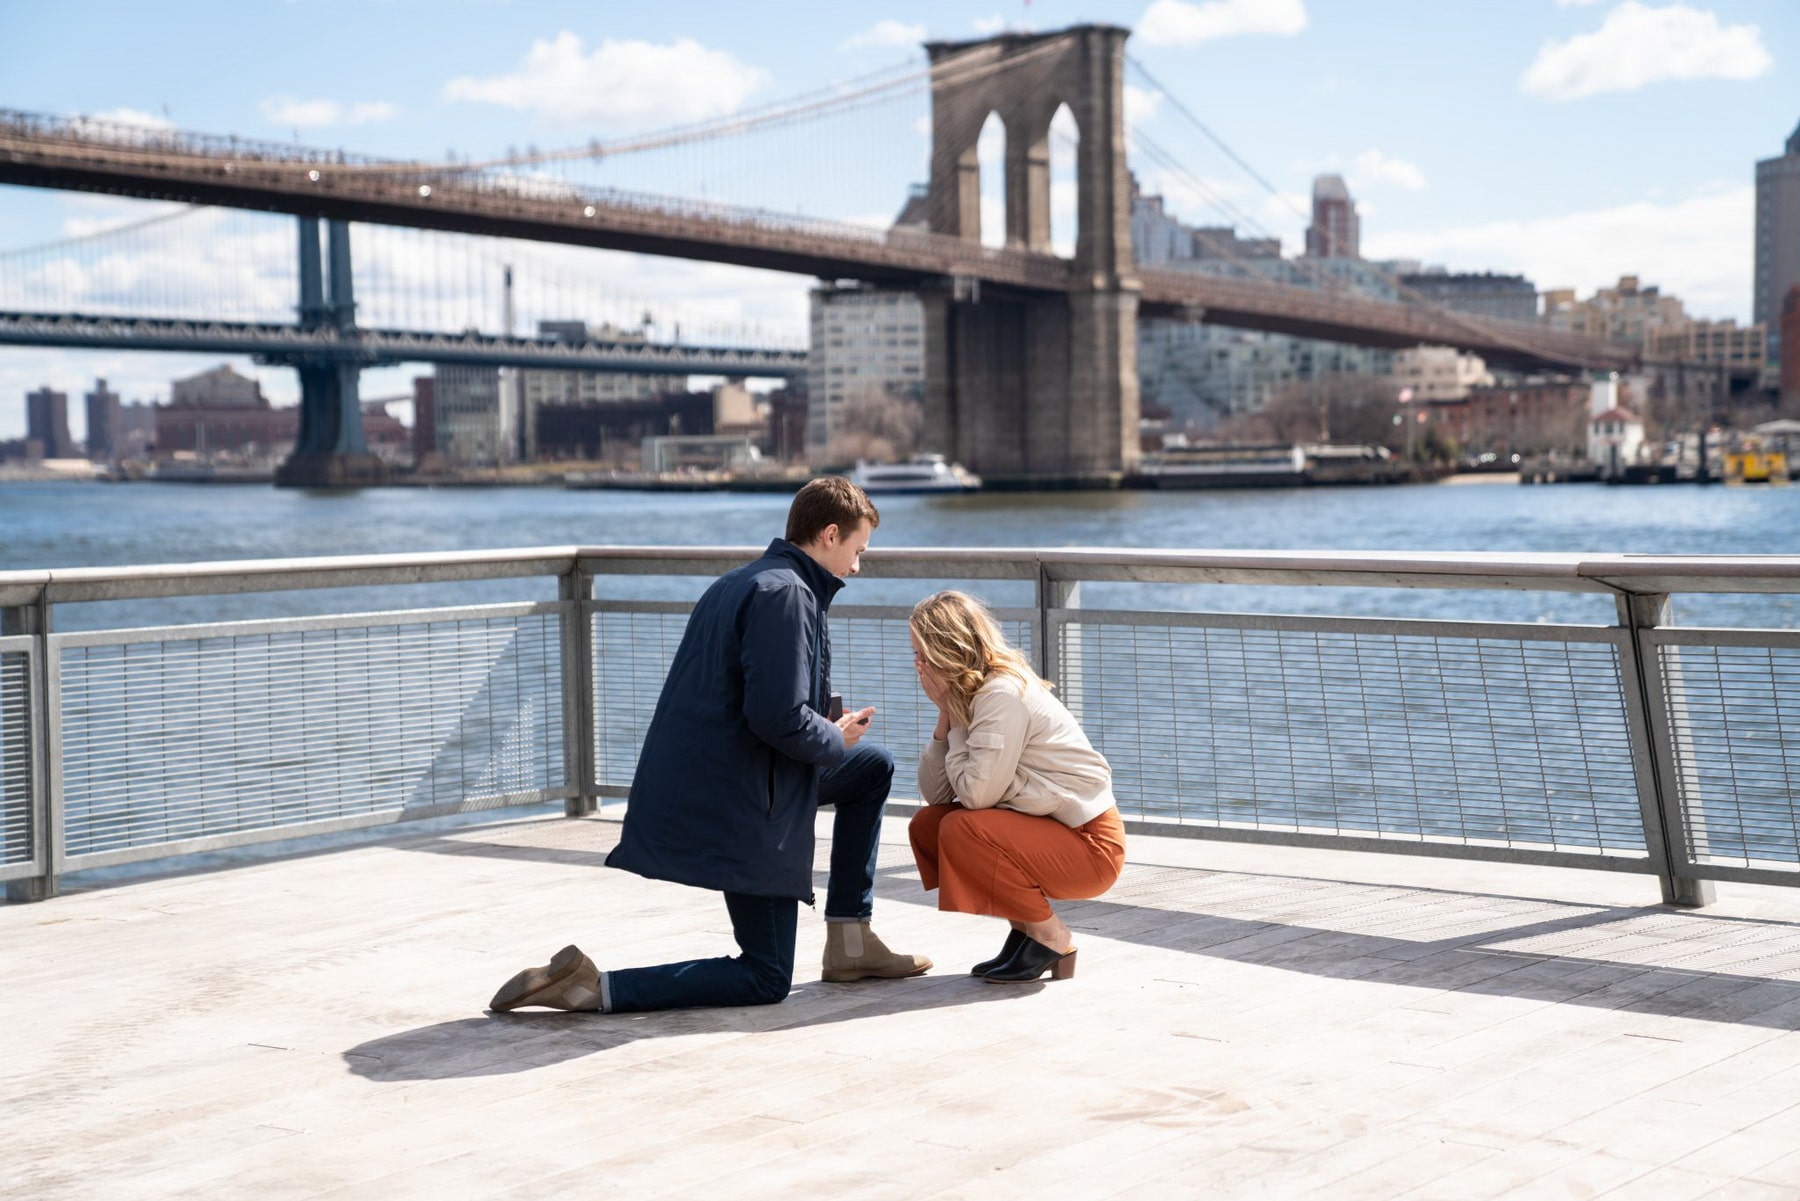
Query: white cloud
{"x":989,"y":26}
{"x":1186,"y":23}
{"x":1374,"y":169}
{"x":1141,"y":104}
{"x":134,"y":116}
{"x":314,"y":114}
{"x":1638,"y":45}
{"x":1697,"y":249}
{"x":620,"y":84}
{"x":886,"y":33}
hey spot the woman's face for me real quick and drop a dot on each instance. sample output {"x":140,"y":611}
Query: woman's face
{"x":929,"y":680}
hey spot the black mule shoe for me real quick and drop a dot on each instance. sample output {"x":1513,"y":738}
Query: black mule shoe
{"x":1009,"y":948}
{"x":1030,"y":961}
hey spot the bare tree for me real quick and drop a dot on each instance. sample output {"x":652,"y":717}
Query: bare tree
{"x":878,"y":425}
{"x":1339,"y":407}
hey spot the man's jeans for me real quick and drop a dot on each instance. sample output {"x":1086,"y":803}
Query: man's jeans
{"x":764,"y":926}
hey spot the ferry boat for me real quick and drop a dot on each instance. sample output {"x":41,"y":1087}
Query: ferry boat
{"x":921,"y":473}
{"x":1230,"y":466}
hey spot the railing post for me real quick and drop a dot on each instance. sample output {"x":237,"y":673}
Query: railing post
{"x":45,"y":725}
{"x":1049,"y":655}
{"x":1650,"y":704}
{"x":575,"y":589}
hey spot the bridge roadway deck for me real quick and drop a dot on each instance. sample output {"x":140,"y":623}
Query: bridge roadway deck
{"x":1246,"y":1022}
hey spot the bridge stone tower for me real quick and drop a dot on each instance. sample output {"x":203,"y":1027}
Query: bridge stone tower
{"x":330,"y":451}
{"x":1034,"y":389}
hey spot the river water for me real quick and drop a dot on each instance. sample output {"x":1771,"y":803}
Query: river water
{"x":94,"y":525}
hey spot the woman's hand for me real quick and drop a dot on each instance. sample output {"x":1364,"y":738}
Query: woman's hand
{"x":937,"y":693}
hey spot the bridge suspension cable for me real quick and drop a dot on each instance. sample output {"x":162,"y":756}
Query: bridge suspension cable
{"x":1404,"y":292}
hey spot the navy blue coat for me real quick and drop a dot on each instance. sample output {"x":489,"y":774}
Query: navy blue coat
{"x":728,"y":781}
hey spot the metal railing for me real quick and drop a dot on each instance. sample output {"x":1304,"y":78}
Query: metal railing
{"x":1635,"y":746}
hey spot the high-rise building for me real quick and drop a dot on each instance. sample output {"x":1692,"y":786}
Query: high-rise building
{"x":867,"y":347}
{"x":1777,"y":231}
{"x":1201,"y":373}
{"x":103,"y":411}
{"x":47,"y":422}
{"x":1335,"y":232}
{"x":424,"y":431}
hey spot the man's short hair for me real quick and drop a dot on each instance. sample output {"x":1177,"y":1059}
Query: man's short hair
{"x":828,"y":500}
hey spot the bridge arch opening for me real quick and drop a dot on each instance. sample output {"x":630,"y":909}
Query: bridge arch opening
{"x":1065,"y":181}
{"x":990,"y":158}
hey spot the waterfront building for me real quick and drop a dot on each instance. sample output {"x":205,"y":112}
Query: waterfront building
{"x":135,"y":432}
{"x":1335,"y":232}
{"x":539,"y":388}
{"x":1615,"y":439}
{"x":222,"y":413}
{"x":1480,"y":294}
{"x":1436,"y":373}
{"x":866,"y":351}
{"x":1777,"y":231}
{"x":1524,"y":416}
{"x":1724,"y":343}
{"x":47,"y":423}
{"x":1789,"y":351}
{"x":614,"y":431}
{"x":103,"y":411}
{"x":469,"y":420}
{"x":219,"y":388}
{"x":1628,"y":312}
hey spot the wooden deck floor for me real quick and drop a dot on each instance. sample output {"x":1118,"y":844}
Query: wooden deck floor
{"x":1246,"y":1022}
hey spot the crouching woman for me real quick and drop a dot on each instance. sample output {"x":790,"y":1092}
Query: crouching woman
{"x":1019,"y":805}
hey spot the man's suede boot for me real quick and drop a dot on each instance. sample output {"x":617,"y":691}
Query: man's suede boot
{"x":570,"y":981}
{"x":855,"y":952}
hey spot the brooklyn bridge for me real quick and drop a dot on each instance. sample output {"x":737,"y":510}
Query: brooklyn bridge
{"x":1031,"y":369}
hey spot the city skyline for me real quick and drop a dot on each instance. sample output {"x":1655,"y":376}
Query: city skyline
{"x":1548,"y":152}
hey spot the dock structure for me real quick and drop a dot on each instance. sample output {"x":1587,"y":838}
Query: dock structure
{"x":1247,"y":1021}
{"x":1390,"y":925}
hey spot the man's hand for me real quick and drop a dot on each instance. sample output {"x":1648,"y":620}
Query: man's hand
{"x":855,"y":725}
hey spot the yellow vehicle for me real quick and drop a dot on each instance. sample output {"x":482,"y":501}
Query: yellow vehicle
{"x":1751,"y":463}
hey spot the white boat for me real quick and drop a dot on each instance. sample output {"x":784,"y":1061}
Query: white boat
{"x":921,"y":473}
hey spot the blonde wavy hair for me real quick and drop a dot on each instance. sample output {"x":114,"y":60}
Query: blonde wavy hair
{"x":962,"y":645}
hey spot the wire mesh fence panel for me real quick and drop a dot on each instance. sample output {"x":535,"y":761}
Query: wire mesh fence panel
{"x":17,"y":833}
{"x":1733,"y":715}
{"x":632,"y":651}
{"x":1492,"y":741}
{"x":871,"y":665}
{"x":223,"y":730}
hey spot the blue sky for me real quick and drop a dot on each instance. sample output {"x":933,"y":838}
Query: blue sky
{"x":1576,"y":141}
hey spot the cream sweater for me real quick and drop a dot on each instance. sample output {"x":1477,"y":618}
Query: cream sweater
{"x":1022,"y":750}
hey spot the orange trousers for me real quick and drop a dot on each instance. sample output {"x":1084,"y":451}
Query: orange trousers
{"x":1011,"y":864}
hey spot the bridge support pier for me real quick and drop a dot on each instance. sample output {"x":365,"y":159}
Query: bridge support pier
{"x":330,"y":451}
{"x":1035,"y":390}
